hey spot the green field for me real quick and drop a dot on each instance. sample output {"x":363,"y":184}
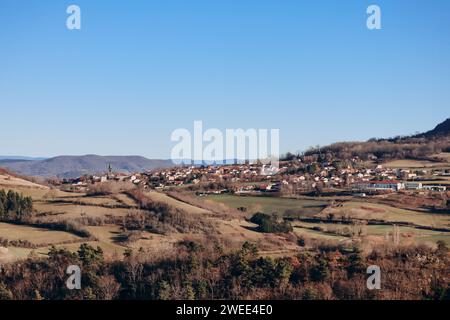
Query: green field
{"x":281,"y":206}
{"x":378,"y":211}
{"x":318,"y":235}
{"x":336,"y":231}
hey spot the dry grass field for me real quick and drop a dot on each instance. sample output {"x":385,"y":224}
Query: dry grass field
{"x":280,"y":206}
{"x":414,"y":164}
{"x":64,"y":211}
{"x":343,"y":232}
{"x":418,"y":164}
{"x":376,"y":211}
{"x":53,"y":206}
{"x":36,"y":236}
{"x":8,"y":181}
{"x":161,"y":197}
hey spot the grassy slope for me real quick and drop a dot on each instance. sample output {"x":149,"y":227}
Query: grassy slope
{"x":270,"y":204}
{"x":365,"y":210}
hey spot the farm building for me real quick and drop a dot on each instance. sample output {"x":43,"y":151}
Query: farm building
{"x":413,"y":185}
{"x":434,"y":188}
{"x":389,"y":185}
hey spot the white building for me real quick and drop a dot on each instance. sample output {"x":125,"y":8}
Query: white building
{"x":380,"y":185}
{"x":434,"y":188}
{"x":413,"y":185}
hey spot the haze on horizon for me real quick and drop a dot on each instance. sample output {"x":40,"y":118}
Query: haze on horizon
{"x":136,"y":72}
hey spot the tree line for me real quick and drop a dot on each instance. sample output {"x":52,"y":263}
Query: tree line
{"x":411,"y":148}
{"x":14,"y":206}
{"x":205,"y":271}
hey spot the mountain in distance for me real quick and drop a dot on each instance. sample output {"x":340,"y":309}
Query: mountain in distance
{"x":442,"y":129}
{"x":75,"y":166}
{"x":15,"y":158}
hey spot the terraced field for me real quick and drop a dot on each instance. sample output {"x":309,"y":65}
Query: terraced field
{"x":280,"y":206}
{"x":63,"y":211}
{"x":337,"y":231}
{"x":318,"y":235}
{"x":161,"y":197}
{"x":36,"y":236}
{"x":376,"y":211}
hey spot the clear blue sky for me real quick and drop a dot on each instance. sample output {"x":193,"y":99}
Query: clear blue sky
{"x":137,"y":70}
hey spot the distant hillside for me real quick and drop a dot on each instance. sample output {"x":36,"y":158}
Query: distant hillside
{"x":442,"y":129}
{"x":75,"y":166}
{"x":420,"y":146}
{"x":20,"y":158}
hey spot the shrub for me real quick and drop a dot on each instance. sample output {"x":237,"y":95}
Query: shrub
{"x":270,"y":223}
{"x":110,"y":187}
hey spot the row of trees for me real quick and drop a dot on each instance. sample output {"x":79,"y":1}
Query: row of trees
{"x":204,"y":271}
{"x":14,"y":206}
{"x":382,"y":149}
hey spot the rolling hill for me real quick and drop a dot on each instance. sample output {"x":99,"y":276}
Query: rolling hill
{"x":442,"y":129}
{"x":420,"y":146}
{"x":75,"y":166}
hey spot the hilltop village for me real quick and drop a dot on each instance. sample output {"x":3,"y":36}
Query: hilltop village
{"x":297,"y":176}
